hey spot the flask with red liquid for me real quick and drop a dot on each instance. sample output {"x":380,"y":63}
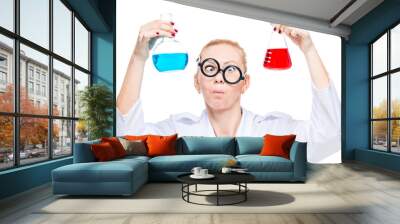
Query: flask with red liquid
{"x":277,"y":56}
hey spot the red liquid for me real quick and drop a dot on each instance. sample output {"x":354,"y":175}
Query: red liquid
{"x":277,"y":58}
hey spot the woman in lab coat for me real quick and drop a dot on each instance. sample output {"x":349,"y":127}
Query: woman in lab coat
{"x":217,"y":79}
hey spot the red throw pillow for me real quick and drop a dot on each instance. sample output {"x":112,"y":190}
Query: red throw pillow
{"x":103,"y":151}
{"x":277,"y":145}
{"x":116,"y":145}
{"x":161,"y":145}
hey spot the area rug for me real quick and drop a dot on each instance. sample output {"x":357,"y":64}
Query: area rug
{"x":167,"y":198}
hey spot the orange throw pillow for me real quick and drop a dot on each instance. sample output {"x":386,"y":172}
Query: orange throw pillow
{"x":103,"y":151}
{"x":116,"y":145}
{"x":277,"y":145}
{"x":136,"y":137}
{"x":161,"y":145}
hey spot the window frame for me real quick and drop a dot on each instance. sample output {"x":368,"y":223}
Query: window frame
{"x":16,"y":114}
{"x":388,"y":74}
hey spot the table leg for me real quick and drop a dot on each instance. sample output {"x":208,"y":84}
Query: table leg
{"x":196,"y":188}
{"x":188,"y":189}
{"x":245,"y":191}
{"x":217,"y":194}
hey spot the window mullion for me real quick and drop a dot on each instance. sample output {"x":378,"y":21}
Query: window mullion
{"x":16,"y":84}
{"x":389,"y":76}
{"x":73,"y":83}
{"x":371,"y":144}
{"x":50,"y":81}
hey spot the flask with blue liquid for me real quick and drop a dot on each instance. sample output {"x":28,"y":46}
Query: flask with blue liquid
{"x":169,"y":54}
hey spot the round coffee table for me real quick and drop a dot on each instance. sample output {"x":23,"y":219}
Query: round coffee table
{"x":238,"y":179}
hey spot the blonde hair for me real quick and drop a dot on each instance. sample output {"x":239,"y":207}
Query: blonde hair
{"x":230,"y":43}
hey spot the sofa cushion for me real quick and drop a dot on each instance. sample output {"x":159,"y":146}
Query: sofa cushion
{"x":249,"y":145}
{"x":197,"y":145}
{"x":185,"y":163}
{"x":131,"y":158}
{"x":257,"y":163}
{"x":83,"y":152}
{"x":111,"y":171}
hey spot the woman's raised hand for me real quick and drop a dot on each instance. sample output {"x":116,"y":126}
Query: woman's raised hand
{"x":153,"y":29}
{"x":130,"y":89}
{"x":300,"y":37}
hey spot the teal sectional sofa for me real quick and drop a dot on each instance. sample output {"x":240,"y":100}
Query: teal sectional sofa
{"x":125,"y":176}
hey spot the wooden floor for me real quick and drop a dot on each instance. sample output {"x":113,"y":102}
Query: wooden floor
{"x":378,"y":188}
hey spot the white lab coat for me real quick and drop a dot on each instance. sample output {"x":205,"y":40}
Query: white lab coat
{"x":324,"y":123}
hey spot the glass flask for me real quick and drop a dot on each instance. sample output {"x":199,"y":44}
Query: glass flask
{"x":169,"y":54}
{"x":277,"y":56}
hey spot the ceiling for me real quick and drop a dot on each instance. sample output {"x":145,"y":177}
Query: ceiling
{"x":327,"y":16}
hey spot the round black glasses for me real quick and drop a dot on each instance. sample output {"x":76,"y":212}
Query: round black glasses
{"x":231,"y":73}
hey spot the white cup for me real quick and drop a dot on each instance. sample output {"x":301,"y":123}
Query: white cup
{"x":226,"y":170}
{"x":196,"y":170}
{"x":203,"y":172}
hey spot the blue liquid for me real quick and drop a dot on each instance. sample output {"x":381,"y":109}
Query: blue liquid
{"x":169,"y":62}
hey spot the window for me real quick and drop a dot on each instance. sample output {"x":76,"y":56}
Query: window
{"x":3,"y":72}
{"x":45,"y":117}
{"x":81,"y":45}
{"x":62,"y":137}
{"x":6,"y":142}
{"x":61,"y":74}
{"x":379,"y":56}
{"x":37,"y":75}
{"x":6,"y":73}
{"x":30,"y":72}
{"x":81,"y":81}
{"x":44,"y":91}
{"x":33,"y":147}
{"x":3,"y":61}
{"x":395,"y":47}
{"x":34,"y":21}
{"x":7,"y":14}
{"x":385,"y":91}
{"x":3,"y":78}
{"x":62,"y":31}
{"x":37,"y":89}
{"x":30,"y":87}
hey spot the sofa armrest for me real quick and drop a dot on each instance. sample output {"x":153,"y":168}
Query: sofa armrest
{"x":298,"y":155}
{"x":83,"y":152}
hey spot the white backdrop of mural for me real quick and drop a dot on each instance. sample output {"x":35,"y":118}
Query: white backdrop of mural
{"x":288,"y":91}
